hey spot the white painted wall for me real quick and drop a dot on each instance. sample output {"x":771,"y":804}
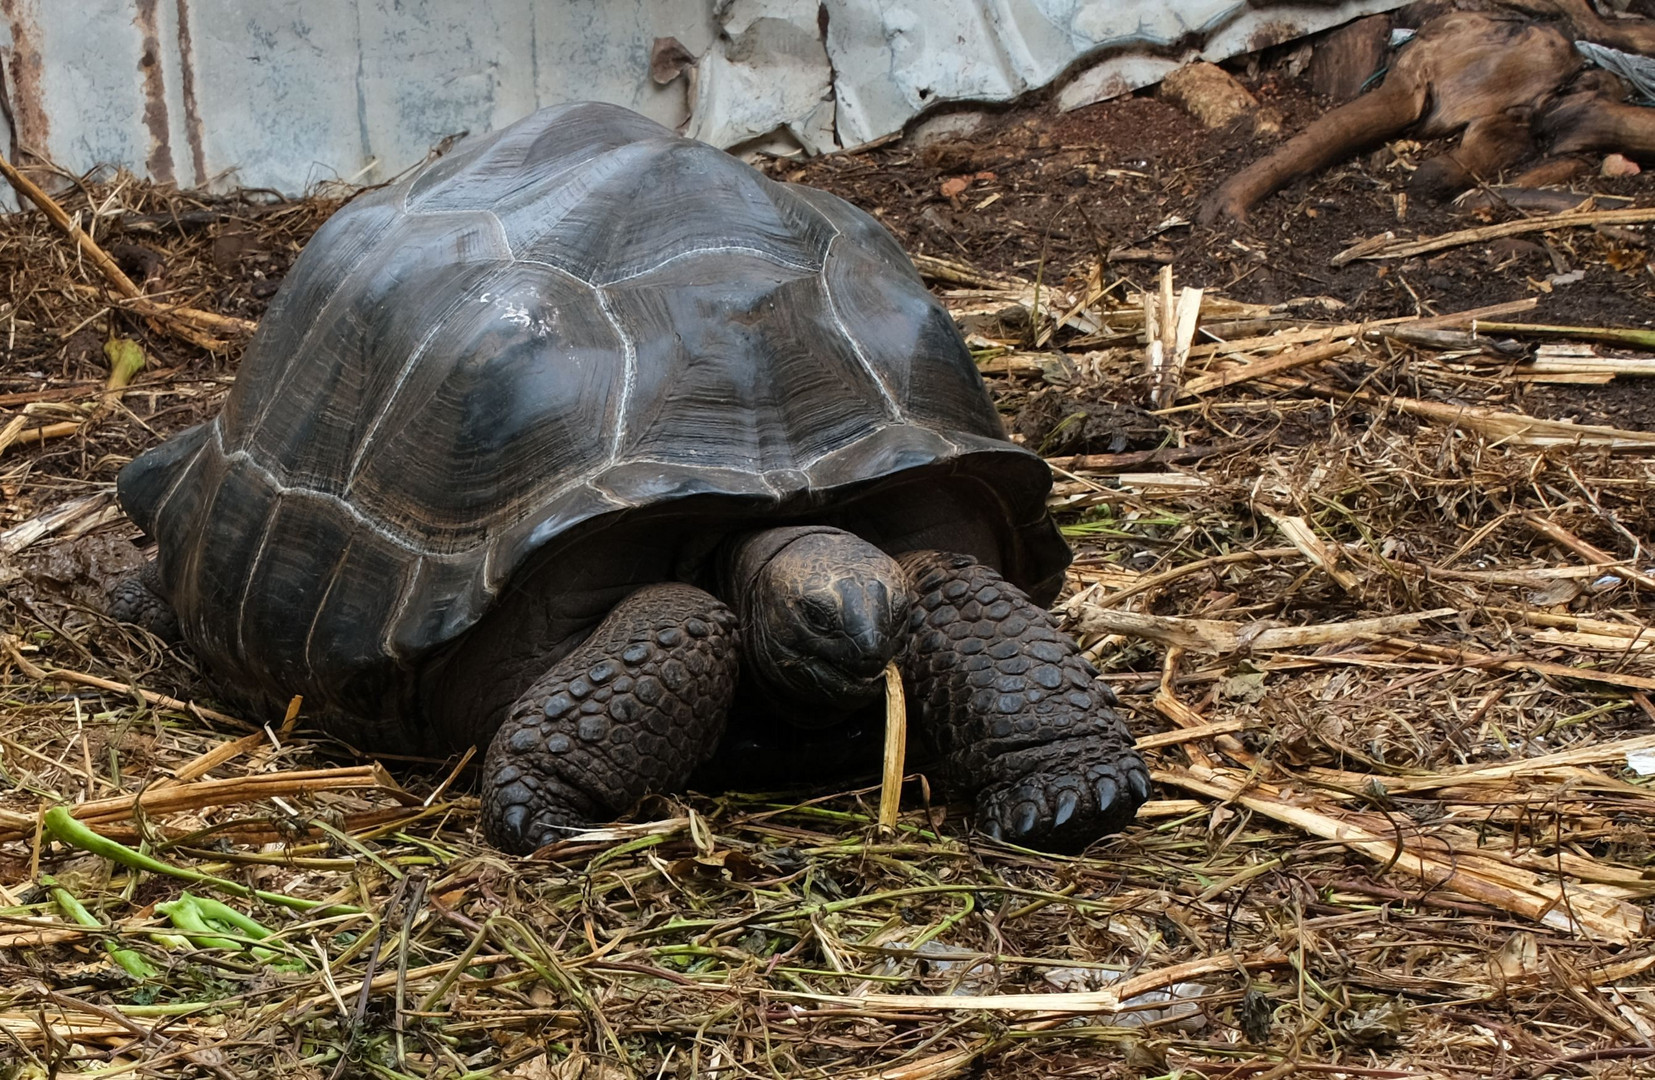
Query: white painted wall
{"x":286,"y":93}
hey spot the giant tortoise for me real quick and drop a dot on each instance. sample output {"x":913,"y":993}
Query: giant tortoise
{"x":590,"y":445}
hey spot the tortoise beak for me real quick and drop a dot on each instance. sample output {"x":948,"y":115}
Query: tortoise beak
{"x":874,"y":623}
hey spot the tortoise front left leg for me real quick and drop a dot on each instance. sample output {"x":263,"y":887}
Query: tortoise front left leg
{"x":1018,"y":713}
{"x":631,"y":712}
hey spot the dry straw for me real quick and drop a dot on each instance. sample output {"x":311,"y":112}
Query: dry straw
{"x":1384,"y":633}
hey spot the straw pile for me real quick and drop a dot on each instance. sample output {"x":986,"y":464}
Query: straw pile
{"x":1385,"y":638}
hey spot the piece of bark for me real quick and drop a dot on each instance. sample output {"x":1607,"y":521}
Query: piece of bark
{"x":1348,"y":57}
{"x":668,"y":59}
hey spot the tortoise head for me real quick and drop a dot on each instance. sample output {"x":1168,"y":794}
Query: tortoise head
{"x":823,"y":612}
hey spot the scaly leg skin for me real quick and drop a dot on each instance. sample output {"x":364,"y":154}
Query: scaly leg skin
{"x":1015,"y":709}
{"x":137,"y":598}
{"x":632,"y":711}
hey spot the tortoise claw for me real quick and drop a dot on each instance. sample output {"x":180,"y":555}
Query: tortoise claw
{"x":1108,"y":791}
{"x":1067,"y":803}
{"x":1064,"y":810}
{"x":1137,"y":780}
{"x":1028,"y":816}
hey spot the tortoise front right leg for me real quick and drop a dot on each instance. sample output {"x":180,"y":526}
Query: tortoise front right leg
{"x":631,"y":712}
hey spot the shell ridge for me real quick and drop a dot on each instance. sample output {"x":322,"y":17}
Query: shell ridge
{"x":243,"y":457}
{"x":629,"y":375}
{"x":715,"y":249}
{"x":572,"y":191}
{"x":893,"y":411}
{"x":252,"y":573}
{"x":188,"y":569}
{"x":415,"y":355}
{"x":556,"y":268}
{"x":405,"y":596}
{"x":321,"y":606}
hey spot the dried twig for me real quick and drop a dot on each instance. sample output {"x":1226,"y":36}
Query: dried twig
{"x":1463,"y":871}
{"x":1460,"y":237}
{"x":1325,"y":556}
{"x":1217,"y":636}
{"x":1590,"y":552}
{"x":1517,"y":429}
{"x":1258,"y":369}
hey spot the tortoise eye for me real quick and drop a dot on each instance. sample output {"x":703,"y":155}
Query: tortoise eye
{"x":818,"y":613}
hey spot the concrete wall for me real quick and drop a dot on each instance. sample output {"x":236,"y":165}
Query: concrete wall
{"x":286,"y":93}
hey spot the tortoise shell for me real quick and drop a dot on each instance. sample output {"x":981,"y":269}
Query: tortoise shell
{"x":581,"y":316}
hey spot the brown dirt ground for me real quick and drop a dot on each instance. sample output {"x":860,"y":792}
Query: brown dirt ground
{"x":1070,"y":188}
{"x":673,"y":955}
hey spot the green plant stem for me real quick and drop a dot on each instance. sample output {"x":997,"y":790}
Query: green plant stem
{"x":131,"y":962}
{"x":63,"y":826}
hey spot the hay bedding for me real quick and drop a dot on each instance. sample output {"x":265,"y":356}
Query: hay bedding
{"x":1376,"y":595}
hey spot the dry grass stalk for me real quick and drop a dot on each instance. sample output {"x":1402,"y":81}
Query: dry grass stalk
{"x":1610,"y":753}
{"x":1607,"y":642}
{"x":1324,"y":556}
{"x":1016,"y":362}
{"x":1590,"y":552}
{"x":1219,"y":636}
{"x":1157,"y":311}
{"x":896,"y":748}
{"x":1596,"y":368}
{"x":1568,"y":220}
{"x":1517,"y":429}
{"x":1464,"y":871}
{"x":205,"y":321}
{"x":77,"y":515}
{"x":1190,"y":734}
{"x":1353,"y":329}
{"x":1176,"y":350}
{"x":1071,"y":1004}
{"x":12,"y":649}
{"x":1473,"y":658}
{"x":206,"y":794}
{"x":1234,"y":375}
{"x":49,"y":933}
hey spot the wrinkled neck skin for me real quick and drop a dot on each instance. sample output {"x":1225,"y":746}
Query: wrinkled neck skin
{"x":822,"y":613}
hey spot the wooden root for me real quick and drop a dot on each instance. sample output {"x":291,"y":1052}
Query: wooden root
{"x":1485,"y":76}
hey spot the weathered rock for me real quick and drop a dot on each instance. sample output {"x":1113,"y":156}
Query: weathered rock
{"x":1620,"y":165}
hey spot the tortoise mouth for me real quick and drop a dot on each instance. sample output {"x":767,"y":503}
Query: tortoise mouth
{"x":823,"y":680}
